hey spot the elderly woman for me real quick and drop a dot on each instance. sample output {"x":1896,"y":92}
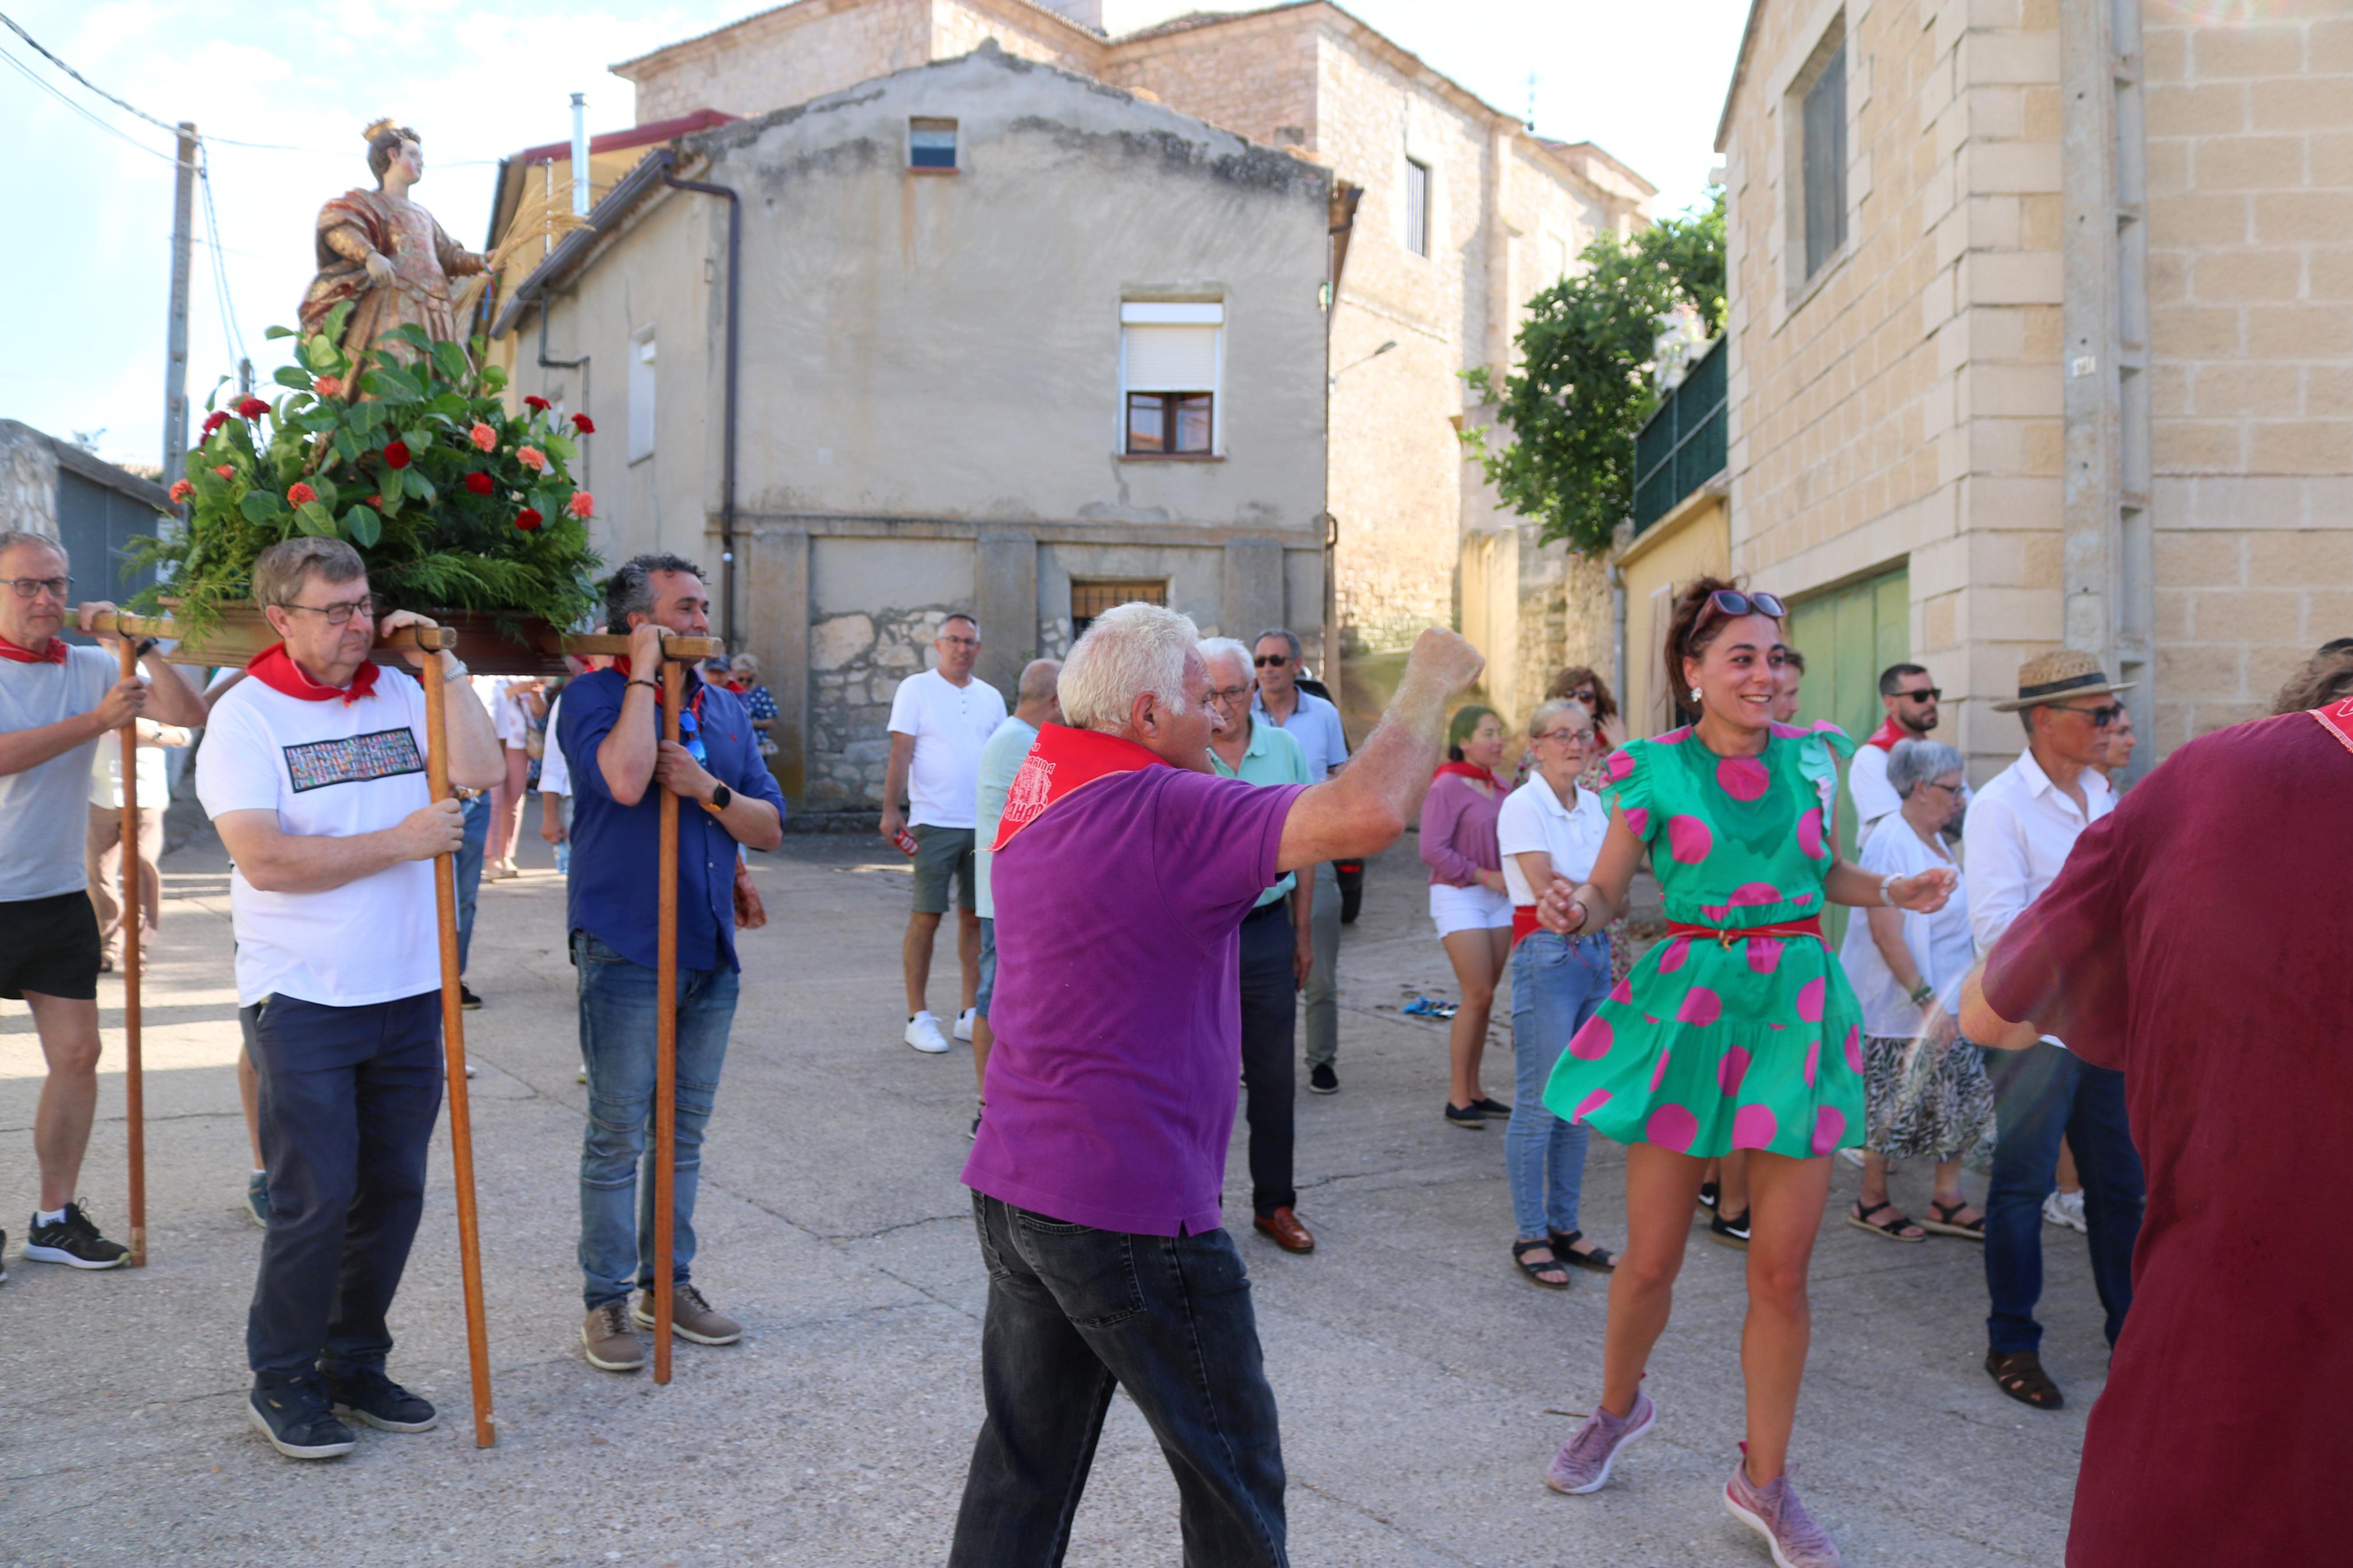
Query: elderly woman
{"x":743,"y":677}
{"x":1467,"y":899}
{"x":1906,"y":970}
{"x":1549,"y":827}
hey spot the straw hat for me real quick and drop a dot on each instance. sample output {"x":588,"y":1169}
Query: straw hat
{"x":2056,"y":675}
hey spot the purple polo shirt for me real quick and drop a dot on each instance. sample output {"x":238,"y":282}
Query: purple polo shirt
{"x":1118,"y":1005}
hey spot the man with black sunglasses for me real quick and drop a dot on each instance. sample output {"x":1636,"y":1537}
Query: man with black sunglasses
{"x":1315,"y":723}
{"x":1910,"y":695}
{"x":2018,"y":837}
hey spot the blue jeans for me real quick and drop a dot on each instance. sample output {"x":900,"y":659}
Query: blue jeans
{"x":1074,"y":1312}
{"x":1557,"y":985}
{"x":2040,"y":1093}
{"x":470,"y":871}
{"x":617,"y":1043}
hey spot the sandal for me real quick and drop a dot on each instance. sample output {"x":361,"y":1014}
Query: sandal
{"x":1564,"y":1248}
{"x":1892,"y":1227}
{"x":1558,"y":1278}
{"x":2019,"y":1375}
{"x":1944,"y":1223}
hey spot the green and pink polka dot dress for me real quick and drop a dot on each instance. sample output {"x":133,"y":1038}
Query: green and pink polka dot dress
{"x":1707,"y":1048}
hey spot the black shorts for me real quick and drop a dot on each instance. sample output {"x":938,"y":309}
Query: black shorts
{"x":49,"y":945}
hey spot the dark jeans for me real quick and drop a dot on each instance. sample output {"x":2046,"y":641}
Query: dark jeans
{"x":1074,"y":1312}
{"x":349,"y":1096}
{"x":469,"y":870}
{"x":2039,"y":1094}
{"x":1269,"y":1053}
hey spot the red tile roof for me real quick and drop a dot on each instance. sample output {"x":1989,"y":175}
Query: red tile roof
{"x":635,"y":136}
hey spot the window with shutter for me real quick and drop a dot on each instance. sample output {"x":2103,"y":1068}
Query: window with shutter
{"x":1171,"y":362}
{"x":1825,"y":162}
{"x":930,"y":144}
{"x":1417,"y":206}
{"x":641,"y":393}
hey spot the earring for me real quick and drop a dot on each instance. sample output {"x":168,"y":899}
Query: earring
{"x":1694,"y":696}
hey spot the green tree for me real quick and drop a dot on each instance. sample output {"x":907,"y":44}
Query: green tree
{"x":1581,"y":386}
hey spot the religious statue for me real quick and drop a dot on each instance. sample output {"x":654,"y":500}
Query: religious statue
{"x":387,"y":255}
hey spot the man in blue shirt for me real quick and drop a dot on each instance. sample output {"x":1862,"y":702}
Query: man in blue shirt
{"x":1315,"y":723}
{"x":1036,"y":702}
{"x":610,"y":734}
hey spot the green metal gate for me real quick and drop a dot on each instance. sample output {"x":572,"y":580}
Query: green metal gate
{"x":1848,"y":635}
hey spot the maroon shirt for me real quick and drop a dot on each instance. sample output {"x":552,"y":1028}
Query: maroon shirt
{"x":2198,"y":941}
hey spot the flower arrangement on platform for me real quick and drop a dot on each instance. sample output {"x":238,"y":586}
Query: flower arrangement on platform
{"x":455,"y":502}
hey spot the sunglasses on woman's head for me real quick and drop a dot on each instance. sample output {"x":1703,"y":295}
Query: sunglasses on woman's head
{"x":1732,"y":603}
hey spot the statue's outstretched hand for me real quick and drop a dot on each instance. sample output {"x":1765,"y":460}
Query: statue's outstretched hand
{"x":379,"y":267}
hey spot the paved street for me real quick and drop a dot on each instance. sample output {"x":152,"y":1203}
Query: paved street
{"x":1423,"y":1385}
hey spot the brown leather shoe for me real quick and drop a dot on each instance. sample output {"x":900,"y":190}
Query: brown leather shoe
{"x":1282,"y":1229}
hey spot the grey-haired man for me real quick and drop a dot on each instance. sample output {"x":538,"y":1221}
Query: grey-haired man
{"x":1315,"y":723}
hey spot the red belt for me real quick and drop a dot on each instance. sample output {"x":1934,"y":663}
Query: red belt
{"x":1811,"y":926}
{"x":1524,"y":924}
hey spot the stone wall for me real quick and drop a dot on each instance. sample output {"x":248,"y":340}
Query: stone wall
{"x":781,"y":58}
{"x":856,"y":663}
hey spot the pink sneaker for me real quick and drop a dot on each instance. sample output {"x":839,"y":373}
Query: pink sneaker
{"x":1583,"y":1462}
{"x":1773,"y":1511}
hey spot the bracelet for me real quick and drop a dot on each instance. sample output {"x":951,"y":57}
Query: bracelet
{"x":649,"y":685}
{"x":459,"y":673}
{"x":1886,"y":896}
{"x":1922,"y":992}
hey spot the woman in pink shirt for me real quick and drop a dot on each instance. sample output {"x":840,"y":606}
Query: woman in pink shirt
{"x":1467,"y":898}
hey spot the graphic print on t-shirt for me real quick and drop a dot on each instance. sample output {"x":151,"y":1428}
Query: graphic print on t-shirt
{"x":382,"y":754}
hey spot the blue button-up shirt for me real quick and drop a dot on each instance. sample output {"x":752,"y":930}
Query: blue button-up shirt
{"x":616,"y":848}
{"x":1316,"y":725}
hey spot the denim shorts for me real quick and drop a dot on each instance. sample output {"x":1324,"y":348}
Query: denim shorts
{"x":987,"y":965}
{"x":944,"y":853}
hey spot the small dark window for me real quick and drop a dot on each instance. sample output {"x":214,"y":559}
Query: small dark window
{"x":1417,"y":207}
{"x":930,"y":144}
{"x":1090,"y":599}
{"x":1168,"y":422}
{"x":1825,"y":164}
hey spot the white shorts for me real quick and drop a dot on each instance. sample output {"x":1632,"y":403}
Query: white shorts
{"x":1466,"y":909}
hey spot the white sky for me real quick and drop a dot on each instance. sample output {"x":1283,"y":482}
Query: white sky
{"x":86,"y":276}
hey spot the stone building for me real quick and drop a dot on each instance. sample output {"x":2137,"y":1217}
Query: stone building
{"x":993,"y":338}
{"x":2042,"y":334}
{"x":1458,"y":215}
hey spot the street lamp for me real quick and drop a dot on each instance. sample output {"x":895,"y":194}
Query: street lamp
{"x":1333,"y":379}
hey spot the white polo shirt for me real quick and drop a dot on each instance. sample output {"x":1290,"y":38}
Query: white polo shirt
{"x":1534,"y":820}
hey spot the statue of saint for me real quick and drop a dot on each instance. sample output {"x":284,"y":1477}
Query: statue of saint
{"x":387,"y":254}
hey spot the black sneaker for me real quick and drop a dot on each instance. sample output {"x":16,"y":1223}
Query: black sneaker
{"x":1732,"y":1232}
{"x":1466,"y":1117}
{"x":1707,"y":1194}
{"x":73,"y":1242}
{"x":467,"y":999}
{"x":365,"y":1395}
{"x":1322,"y":1079}
{"x":3,"y":1261}
{"x":295,"y":1418}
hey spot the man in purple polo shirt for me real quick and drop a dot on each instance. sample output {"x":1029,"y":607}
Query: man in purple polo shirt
{"x":1123,"y":868}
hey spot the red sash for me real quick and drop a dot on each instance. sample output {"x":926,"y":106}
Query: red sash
{"x":1472,"y":771}
{"x":2337,"y":720}
{"x":1811,"y":926}
{"x":276,"y":670}
{"x":1062,"y":759}
{"x":54,"y":653}
{"x":1886,"y":735}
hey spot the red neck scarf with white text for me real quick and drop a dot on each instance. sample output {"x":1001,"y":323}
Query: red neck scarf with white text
{"x":1062,"y":759}
{"x":1473,"y":771}
{"x":1887,"y":734}
{"x":54,"y":653}
{"x":2338,"y":719}
{"x":276,"y":670}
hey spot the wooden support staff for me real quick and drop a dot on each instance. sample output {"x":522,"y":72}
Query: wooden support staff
{"x":134,"y":1089}
{"x":673,"y":686}
{"x":453,"y":1048}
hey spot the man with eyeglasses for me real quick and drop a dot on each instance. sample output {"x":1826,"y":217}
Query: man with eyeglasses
{"x":610,"y":733}
{"x":939,"y":720}
{"x":2020,"y":832}
{"x":1315,"y":723}
{"x":1910,"y":695}
{"x":57,"y":705}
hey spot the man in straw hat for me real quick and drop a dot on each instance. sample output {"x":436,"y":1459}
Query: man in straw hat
{"x":2017,"y":837}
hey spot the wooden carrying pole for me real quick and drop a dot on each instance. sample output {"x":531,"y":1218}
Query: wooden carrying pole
{"x":134,"y":1089}
{"x":673,"y":687}
{"x":453,"y":1048}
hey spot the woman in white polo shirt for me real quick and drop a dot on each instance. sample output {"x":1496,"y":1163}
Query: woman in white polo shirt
{"x":1549,"y":827}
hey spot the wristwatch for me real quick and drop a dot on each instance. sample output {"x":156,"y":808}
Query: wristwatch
{"x":721,"y":796}
{"x":1922,"y":992}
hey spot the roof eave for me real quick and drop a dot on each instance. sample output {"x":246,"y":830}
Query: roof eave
{"x":575,"y":249}
{"x":1739,"y":72}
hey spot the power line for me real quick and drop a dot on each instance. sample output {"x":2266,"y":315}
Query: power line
{"x":108,"y":127}
{"x":220,"y":267}
{"x":119,"y":103}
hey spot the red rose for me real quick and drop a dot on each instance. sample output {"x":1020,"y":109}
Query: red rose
{"x":585,"y":425}
{"x":537,"y":405}
{"x":582,"y":505}
{"x":182,"y":489}
{"x":478,"y":482}
{"x":529,"y":520}
{"x":302,"y":493}
{"x":252,"y":408}
{"x":215,"y":420}
{"x":375,"y":500}
{"x":224,"y":471}
{"x":396,"y":454}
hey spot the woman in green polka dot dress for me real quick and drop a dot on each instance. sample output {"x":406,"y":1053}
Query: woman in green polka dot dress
{"x":1738,"y":1032}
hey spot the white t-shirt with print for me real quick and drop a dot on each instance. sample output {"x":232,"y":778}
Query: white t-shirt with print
{"x":328,"y":770}
{"x":951,"y":723}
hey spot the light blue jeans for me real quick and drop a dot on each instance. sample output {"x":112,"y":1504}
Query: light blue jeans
{"x":617,"y":1043}
{"x":1557,"y":985}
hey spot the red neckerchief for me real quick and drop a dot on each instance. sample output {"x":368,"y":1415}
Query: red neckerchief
{"x":276,"y":670}
{"x":1887,"y":734}
{"x":55,"y":653}
{"x":1473,"y":771}
{"x":1061,"y":761}
{"x":2337,"y":720}
{"x":693,"y":703}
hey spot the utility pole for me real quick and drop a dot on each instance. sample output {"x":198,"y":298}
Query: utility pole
{"x":175,"y":360}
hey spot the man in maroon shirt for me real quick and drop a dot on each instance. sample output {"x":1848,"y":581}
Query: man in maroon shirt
{"x":2196,"y":941}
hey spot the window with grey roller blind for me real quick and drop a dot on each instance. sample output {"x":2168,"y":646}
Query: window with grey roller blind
{"x":1825,"y":162}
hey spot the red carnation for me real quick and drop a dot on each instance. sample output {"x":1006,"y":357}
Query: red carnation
{"x":585,"y":425}
{"x":182,"y":489}
{"x":252,"y":408}
{"x":302,"y":494}
{"x":375,"y":500}
{"x":396,"y":454}
{"x":478,"y":482}
{"x":529,"y":520}
{"x":224,"y":471}
{"x":215,"y":420}
{"x":537,"y":405}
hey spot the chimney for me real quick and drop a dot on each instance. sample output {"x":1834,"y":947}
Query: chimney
{"x":580,"y":155}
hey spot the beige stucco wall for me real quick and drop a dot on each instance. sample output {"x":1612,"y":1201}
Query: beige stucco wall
{"x":1693,"y":540}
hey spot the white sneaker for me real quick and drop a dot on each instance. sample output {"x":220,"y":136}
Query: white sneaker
{"x":963,"y":1023}
{"x":923,"y":1034}
{"x":2065,"y":1209}
{"x":1853,"y":1157}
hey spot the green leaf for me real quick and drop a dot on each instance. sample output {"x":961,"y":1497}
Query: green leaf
{"x":211,"y":488}
{"x":336,"y":318}
{"x":281,"y":332}
{"x":417,"y":485}
{"x":328,"y":494}
{"x":560,"y":446}
{"x":394,"y":481}
{"x":364,"y":415}
{"x":262,"y":506}
{"x":393,"y":384}
{"x":317,"y":353}
{"x":452,"y":360}
{"x":290,"y":375}
{"x":419,"y":438}
{"x":452,"y":404}
{"x":315,"y":519}
{"x":365,"y":527}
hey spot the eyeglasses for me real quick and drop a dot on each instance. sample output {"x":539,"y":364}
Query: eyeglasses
{"x":1229,"y":694}
{"x":30,"y":587}
{"x":1937,"y":783}
{"x":690,"y":735}
{"x":340,"y":615}
{"x":1272,"y":660}
{"x":1732,"y":603}
{"x":1926,"y":694}
{"x":961,"y":642}
{"x":1575,"y":737}
{"x":2100,"y":718}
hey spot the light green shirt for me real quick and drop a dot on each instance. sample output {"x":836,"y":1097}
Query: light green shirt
{"x":1274,"y":756}
{"x":1000,"y":758}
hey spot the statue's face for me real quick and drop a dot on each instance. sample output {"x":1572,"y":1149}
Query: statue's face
{"x":410,"y":159}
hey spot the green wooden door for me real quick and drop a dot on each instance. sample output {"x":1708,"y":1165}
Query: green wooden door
{"x":1848,"y":636}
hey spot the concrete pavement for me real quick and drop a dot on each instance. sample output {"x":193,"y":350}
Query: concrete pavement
{"x":1423,"y":1385}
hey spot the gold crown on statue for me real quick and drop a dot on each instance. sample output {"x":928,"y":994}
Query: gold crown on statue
{"x":376,"y":127}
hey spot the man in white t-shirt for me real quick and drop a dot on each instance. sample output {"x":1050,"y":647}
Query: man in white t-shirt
{"x":939,"y":720}
{"x":57,"y":705}
{"x":313,"y":771}
{"x":1910,"y":695}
